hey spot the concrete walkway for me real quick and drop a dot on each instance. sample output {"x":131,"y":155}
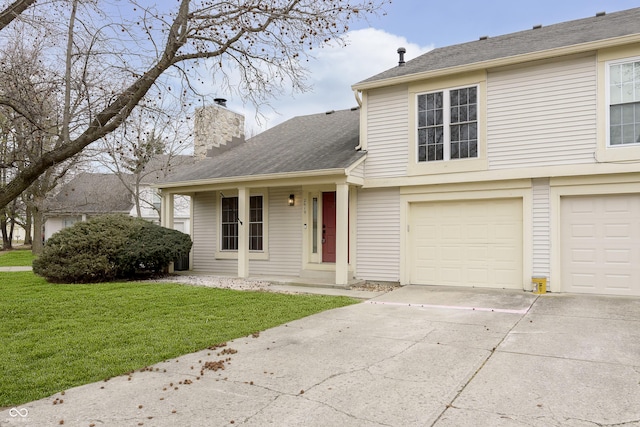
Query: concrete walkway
{"x":416,"y":356}
{"x":10,"y":269}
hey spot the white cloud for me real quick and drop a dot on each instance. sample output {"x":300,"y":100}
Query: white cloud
{"x":333,"y":71}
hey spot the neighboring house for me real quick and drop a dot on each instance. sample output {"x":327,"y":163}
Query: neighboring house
{"x":92,"y":194}
{"x":483,"y":164}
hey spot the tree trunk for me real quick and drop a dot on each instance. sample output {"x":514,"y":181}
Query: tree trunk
{"x":28,"y":240}
{"x":6,"y":240}
{"x":37,"y":245}
{"x":136,"y":199}
{"x":11,"y":229}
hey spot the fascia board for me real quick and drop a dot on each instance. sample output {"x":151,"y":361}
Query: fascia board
{"x":249,"y":178}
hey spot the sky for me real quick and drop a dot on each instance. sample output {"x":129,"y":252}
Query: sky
{"x":418,"y":26}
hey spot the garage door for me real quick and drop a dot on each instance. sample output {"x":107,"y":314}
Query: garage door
{"x":467,"y":243}
{"x":600,"y":240}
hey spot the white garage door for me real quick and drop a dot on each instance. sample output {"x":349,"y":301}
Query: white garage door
{"x":601,"y":244}
{"x":467,"y":243}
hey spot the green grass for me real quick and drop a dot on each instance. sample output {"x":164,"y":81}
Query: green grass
{"x":54,"y":337}
{"x":17,"y":258}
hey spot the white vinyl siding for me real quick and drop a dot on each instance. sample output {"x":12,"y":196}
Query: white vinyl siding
{"x":542,"y":115}
{"x":387,"y":132}
{"x":285,"y":235}
{"x":541,"y":229}
{"x":205,"y":237}
{"x":358,"y":171}
{"x":378,"y":230}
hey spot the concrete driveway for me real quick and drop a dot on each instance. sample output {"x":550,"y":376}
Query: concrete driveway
{"x":416,"y":356}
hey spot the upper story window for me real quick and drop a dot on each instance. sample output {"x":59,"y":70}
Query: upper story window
{"x":229,"y":223}
{"x":448,"y":124}
{"x":624,"y":103}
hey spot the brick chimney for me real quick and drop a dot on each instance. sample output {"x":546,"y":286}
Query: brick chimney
{"x":216,"y":129}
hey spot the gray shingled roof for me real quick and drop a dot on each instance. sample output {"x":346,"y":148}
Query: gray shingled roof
{"x":162,"y":165}
{"x":92,"y":193}
{"x":565,"y":34}
{"x":304,"y":143}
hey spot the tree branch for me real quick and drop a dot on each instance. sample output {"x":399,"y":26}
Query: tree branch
{"x":13,"y":11}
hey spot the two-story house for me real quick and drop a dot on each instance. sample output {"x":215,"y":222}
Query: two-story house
{"x":480,"y":164}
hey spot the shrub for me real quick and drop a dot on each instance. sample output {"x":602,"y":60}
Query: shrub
{"x":109,"y":247}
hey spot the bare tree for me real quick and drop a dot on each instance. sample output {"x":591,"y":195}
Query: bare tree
{"x":145,"y":149}
{"x":111,"y":64}
{"x":28,"y":133}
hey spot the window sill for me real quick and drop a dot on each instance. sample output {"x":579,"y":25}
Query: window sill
{"x":447,"y":166}
{"x":619,"y":153}
{"x":234,"y":255}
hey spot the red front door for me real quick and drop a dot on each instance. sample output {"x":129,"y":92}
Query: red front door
{"x":329,"y":227}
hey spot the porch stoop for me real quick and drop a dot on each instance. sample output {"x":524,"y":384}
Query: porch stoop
{"x":324,"y":280}
{"x":321,"y":278}
{"x":311,"y":283}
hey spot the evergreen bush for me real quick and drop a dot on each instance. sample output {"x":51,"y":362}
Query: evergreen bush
{"x":110,"y":247}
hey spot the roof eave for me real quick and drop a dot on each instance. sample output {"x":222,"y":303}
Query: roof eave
{"x":500,"y":62}
{"x":249,"y":178}
{"x":56,"y":213}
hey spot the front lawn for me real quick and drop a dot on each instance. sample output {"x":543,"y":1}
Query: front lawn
{"x":16,"y":258}
{"x":59,"y":336}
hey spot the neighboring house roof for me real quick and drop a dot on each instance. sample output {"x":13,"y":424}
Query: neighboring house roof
{"x":566,"y":34}
{"x":306,"y":143}
{"x":92,"y":193}
{"x":163,"y":165}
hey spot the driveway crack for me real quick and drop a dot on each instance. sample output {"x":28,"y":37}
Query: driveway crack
{"x":483,"y":364}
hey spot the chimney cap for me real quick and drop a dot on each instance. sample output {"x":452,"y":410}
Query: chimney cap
{"x":599,"y":14}
{"x":220,"y":101}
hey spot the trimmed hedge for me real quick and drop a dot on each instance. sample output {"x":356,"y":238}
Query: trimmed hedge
{"x":110,"y":247}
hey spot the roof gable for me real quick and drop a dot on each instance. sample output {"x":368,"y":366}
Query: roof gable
{"x":565,"y":34}
{"x":304,"y":143}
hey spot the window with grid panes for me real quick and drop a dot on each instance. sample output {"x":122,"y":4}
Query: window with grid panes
{"x":230,"y":223}
{"x":448,"y":124}
{"x":624,"y":103}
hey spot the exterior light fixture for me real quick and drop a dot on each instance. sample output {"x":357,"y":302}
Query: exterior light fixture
{"x":292,"y":200}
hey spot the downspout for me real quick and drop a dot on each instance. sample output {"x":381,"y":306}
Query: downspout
{"x":356,"y":94}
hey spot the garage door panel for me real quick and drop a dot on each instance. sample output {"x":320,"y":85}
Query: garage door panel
{"x":468,"y":243}
{"x":451,"y":274}
{"x":613,"y":231}
{"x":477,"y":231}
{"x":582,"y":231}
{"x":617,"y":256}
{"x":503,"y":278}
{"x":450,"y":232}
{"x":600,"y":239}
{"x":618,"y":205}
{"x":618,"y":281}
{"x":585,"y":256}
{"x":474,"y":254}
{"x":583,"y":281}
